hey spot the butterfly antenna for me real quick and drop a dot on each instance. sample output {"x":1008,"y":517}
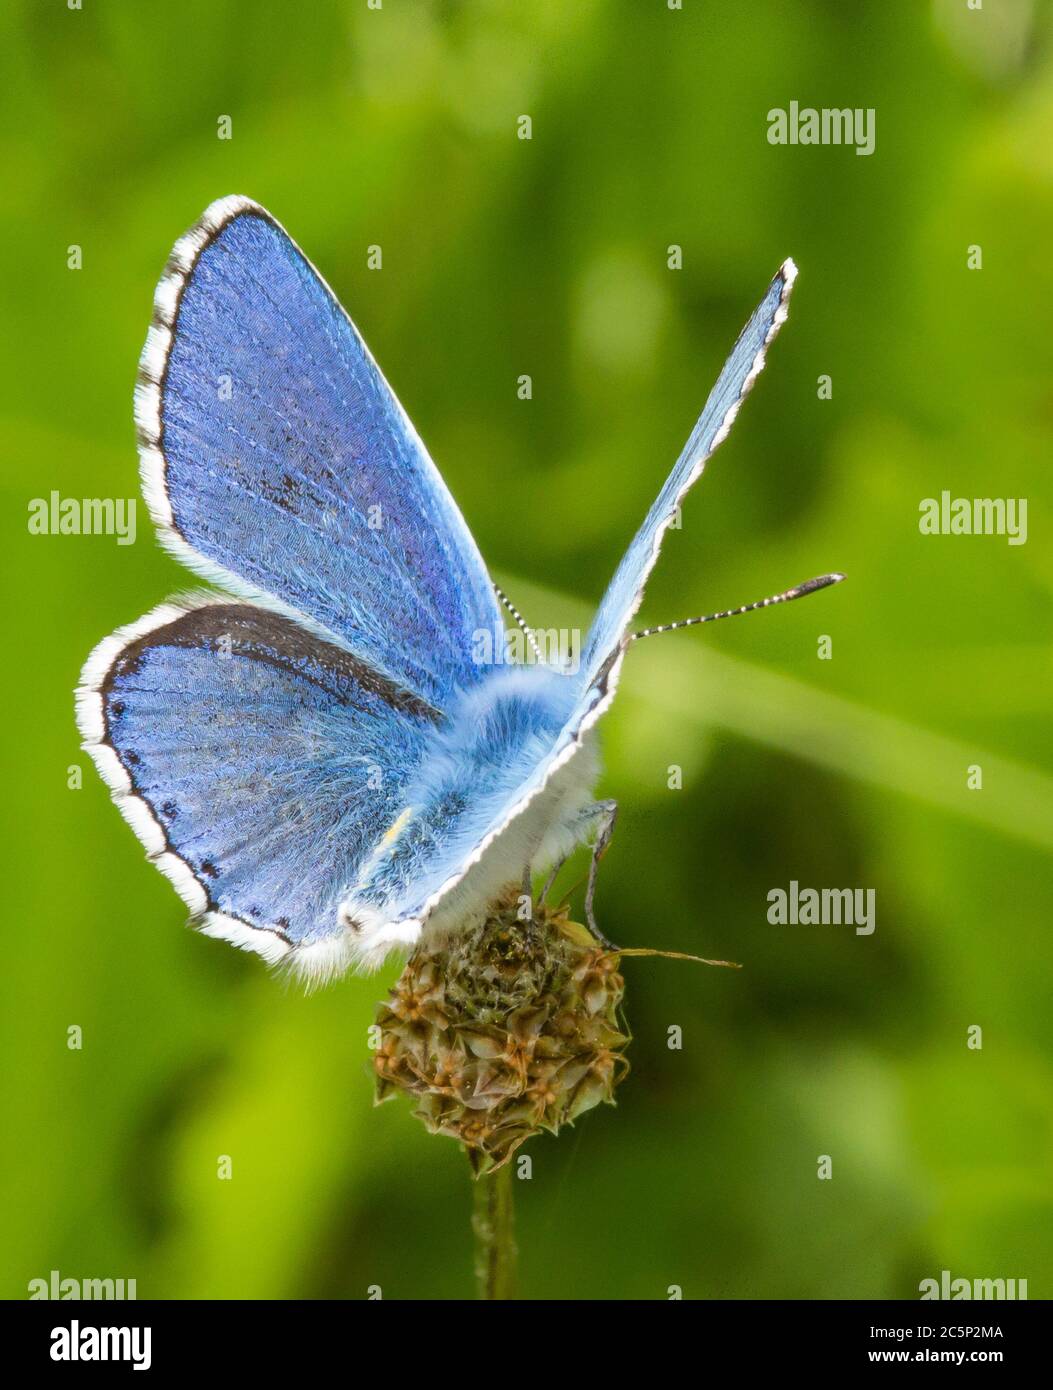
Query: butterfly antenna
{"x":811,"y":586}
{"x":527,"y":632}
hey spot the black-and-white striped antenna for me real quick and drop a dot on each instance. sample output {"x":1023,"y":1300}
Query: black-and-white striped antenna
{"x":810,"y":586}
{"x":527,"y":632}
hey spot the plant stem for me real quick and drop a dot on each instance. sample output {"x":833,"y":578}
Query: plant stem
{"x":493,"y":1220}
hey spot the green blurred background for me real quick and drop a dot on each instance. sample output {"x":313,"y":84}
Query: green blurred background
{"x":504,"y":257}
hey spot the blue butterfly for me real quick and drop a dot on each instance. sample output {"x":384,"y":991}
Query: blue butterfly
{"x":315,"y":756}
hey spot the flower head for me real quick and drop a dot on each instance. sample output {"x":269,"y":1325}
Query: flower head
{"x":509,"y":1028}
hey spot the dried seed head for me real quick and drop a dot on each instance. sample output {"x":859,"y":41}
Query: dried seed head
{"x":507,"y":1029}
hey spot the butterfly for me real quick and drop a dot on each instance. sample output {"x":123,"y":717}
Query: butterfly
{"x":313,"y":752}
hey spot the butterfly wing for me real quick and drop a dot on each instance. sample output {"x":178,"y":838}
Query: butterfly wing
{"x":603,"y":646}
{"x":258,"y":764}
{"x":277,"y":462}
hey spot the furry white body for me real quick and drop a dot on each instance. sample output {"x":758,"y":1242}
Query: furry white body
{"x":521,"y":772}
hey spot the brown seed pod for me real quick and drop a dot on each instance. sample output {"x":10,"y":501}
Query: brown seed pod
{"x":504,"y":1030}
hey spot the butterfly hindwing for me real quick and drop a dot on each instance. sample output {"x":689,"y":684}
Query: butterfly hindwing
{"x":278,"y":463}
{"x":259,"y":765}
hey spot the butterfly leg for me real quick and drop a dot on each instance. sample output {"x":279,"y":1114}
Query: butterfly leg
{"x":554,"y":873}
{"x":605,"y":813}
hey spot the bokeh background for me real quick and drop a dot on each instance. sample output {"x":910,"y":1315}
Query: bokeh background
{"x":503,"y":257}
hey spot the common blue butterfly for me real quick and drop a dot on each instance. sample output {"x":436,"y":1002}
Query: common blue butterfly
{"x":312,"y":755}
